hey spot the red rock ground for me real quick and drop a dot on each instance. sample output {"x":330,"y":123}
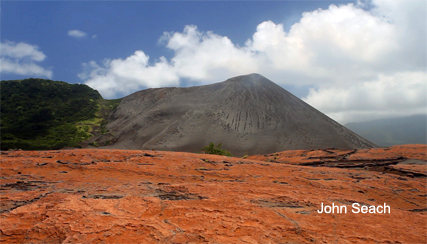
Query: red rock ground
{"x":123,"y":196}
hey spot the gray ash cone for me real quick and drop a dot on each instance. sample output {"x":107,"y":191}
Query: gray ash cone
{"x":248,"y":114}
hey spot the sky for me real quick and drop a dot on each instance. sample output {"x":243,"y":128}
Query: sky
{"x":352,"y":60}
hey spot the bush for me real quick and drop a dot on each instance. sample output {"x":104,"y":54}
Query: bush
{"x":94,"y":144}
{"x":212,"y":149}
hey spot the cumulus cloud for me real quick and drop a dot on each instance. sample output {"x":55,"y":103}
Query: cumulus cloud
{"x":402,"y":93}
{"x":123,"y":76}
{"x":203,"y":56}
{"x":357,"y":60}
{"x":20,"y":58}
{"x":77,"y":33}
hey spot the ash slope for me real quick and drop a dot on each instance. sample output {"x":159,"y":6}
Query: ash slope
{"x":247,"y":114}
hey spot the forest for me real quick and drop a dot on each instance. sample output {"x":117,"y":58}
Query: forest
{"x":40,"y":114}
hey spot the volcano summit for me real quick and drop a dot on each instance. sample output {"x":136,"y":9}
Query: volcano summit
{"x":248,"y":114}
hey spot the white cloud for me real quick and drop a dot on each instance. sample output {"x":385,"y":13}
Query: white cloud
{"x":21,"y":50}
{"x":77,"y":33}
{"x":124,"y":76}
{"x":205,"y":57}
{"x":402,"y":93}
{"x":20,"y":58}
{"x":346,"y":53}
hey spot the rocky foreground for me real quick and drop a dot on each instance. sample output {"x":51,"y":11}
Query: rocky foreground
{"x":130,"y":196}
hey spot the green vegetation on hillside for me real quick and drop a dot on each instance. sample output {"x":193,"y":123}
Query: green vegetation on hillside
{"x":39,"y":114}
{"x":212,"y":149}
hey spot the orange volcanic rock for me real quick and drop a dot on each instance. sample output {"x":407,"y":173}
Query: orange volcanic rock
{"x":373,"y":158}
{"x":130,"y":196}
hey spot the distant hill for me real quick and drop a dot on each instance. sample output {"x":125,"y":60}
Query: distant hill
{"x":44,"y":114}
{"x":248,"y":114}
{"x":393,"y":131}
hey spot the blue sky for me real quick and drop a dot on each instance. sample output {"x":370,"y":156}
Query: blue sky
{"x":329,"y":53}
{"x":120,"y":28}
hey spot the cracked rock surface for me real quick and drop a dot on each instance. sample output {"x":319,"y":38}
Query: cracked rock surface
{"x":131,"y":196}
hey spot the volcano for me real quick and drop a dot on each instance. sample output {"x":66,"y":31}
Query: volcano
{"x":248,"y":114}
